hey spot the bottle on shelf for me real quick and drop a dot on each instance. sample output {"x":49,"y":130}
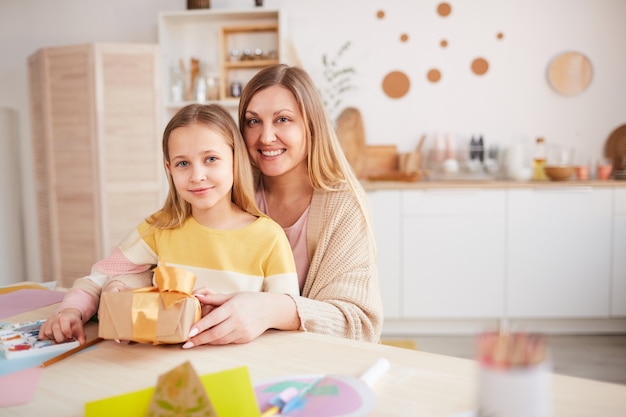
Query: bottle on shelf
{"x":539,"y":160}
{"x":212,"y":83}
{"x":177,"y":83}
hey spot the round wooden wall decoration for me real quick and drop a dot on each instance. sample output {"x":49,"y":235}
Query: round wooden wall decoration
{"x":396,"y":84}
{"x":444,"y":9}
{"x":570,"y":73}
{"x":480,"y":66}
{"x":434,"y":75}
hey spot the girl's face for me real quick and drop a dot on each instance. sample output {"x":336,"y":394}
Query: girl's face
{"x":275,"y":132}
{"x":201,"y":166}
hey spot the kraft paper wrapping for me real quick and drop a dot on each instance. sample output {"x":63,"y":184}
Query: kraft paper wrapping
{"x":161,"y":314}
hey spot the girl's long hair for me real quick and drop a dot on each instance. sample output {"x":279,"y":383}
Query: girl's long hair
{"x":175,"y":209}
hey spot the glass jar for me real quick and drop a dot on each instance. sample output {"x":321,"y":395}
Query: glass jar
{"x":177,"y":83}
{"x":235,"y":89}
{"x":212,"y":86}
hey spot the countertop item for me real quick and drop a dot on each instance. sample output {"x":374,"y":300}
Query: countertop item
{"x":615,"y":151}
{"x":487,"y":184}
{"x":559,"y":172}
{"x":351,"y":134}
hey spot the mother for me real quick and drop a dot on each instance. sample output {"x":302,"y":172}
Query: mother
{"x":304,"y":183}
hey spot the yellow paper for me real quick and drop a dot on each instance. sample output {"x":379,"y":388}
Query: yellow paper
{"x":230,"y":392}
{"x":11,"y":288}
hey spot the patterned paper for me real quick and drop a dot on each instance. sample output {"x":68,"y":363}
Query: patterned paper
{"x":179,"y":393}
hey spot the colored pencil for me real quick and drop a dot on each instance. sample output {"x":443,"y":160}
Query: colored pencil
{"x":272,"y":411}
{"x":279,"y":401}
{"x":71,"y":352}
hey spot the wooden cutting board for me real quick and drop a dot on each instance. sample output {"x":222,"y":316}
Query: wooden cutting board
{"x":351,"y":134}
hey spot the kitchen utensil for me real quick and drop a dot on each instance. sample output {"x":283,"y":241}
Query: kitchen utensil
{"x":615,"y":150}
{"x":559,"y":172}
{"x":351,"y":134}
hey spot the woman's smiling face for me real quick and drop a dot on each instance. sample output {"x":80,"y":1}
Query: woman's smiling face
{"x":275,"y":132}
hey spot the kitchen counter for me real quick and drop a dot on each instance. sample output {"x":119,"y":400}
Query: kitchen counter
{"x":487,"y":184}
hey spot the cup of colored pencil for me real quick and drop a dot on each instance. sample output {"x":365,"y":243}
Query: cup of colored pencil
{"x":514,"y":375}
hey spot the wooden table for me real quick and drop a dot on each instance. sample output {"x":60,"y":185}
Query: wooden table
{"x":417,"y":383}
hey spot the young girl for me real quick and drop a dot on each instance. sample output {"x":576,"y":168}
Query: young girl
{"x":306,"y":185}
{"x":209,"y":225}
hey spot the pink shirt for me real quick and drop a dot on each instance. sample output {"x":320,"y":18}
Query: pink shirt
{"x":296,"y":234}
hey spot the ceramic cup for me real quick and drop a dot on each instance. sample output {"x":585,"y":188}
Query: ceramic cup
{"x":582,"y":172}
{"x":604,"y":171}
{"x":515,"y":392}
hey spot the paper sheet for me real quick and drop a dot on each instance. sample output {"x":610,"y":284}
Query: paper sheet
{"x":19,"y":387}
{"x":230,"y":393}
{"x":9,"y":366}
{"x":24,"y":300}
{"x":333,"y":396}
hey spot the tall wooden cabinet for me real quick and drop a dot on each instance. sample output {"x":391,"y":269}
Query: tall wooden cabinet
{"x":96,"y":133}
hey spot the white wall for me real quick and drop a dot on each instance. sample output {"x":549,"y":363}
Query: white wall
{"x":512,"y":101}
{"x":26,"y":26}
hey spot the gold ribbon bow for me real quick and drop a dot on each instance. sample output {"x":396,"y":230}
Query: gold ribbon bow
{"x":174,"y":285}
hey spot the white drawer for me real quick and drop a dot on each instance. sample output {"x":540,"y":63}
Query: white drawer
{"x":452,"y":202}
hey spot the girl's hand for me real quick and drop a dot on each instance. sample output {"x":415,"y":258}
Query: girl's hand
{"x":63,"y":326}
{"x":115,"y":286}
{"x":240,"y":317}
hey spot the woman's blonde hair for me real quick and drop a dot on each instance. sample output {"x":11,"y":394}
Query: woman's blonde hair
{"x":176,"y":210}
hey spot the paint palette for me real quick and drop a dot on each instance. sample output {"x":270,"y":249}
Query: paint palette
{"x":332,"y":396}
{"x":18,"y":340}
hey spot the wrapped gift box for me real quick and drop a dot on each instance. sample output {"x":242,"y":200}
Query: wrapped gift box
{"x":160,"y":314}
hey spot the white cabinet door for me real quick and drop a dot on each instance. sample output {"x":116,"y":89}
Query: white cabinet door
{"x":385,"y":207}
{"x":618,"y":288}
{"x":453,"y":253}
{"x":559,"y":244}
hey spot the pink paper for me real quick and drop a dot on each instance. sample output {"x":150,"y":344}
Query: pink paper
{"x":19,"y":387}
{"x":333,"y":396}
{"x":21,"y":301}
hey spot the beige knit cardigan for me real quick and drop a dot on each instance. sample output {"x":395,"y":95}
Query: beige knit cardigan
{"x":341,"y":293}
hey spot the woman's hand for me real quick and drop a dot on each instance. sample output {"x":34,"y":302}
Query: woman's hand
{"x":240,"y":317}
{"x":63,"y":326}
{"x":201,"y":294}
